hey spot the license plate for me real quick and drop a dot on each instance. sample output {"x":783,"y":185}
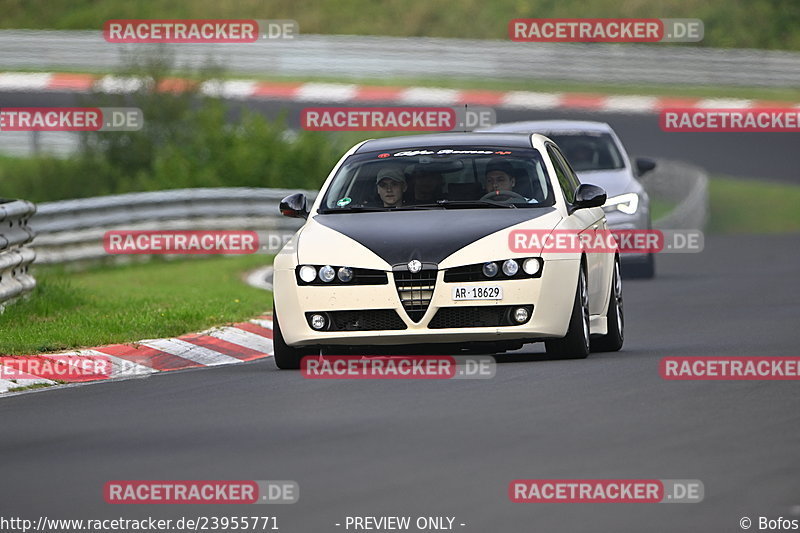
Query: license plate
{"x":477,"y":293}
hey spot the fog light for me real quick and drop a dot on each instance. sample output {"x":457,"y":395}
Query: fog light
{"x":308,"y":273}
{"x":510,"y":267}
{"x":318,"y":322}
{"x":531,"y":266}
{"x":327,"y":273}
{"x":490,"y":270}
{"x":345,"y":274}
{"x":521,"y":315}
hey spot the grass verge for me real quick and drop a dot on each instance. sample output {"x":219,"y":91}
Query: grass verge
{"x":752,"y":206}
{"x":30,"y":387}
{"x":660,"y":208}
{"x":113,"y":304}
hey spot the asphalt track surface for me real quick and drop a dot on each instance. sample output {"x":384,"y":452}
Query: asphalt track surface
{"x":772,"y":156}
{"x":450,"y":448}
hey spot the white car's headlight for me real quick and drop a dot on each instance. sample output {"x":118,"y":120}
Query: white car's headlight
{"x":627,"y":203}
{"x":327,"y":273}
{"x":510,"y":267}
{"x":308,"y":273}
{"x":345,"y":274}
{"x":531,"y":266}
{"x":330,"y":275}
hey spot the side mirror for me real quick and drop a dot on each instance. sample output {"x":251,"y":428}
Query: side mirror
{"x":294,"y":206}
{"x":644,"y":165}
{"x":589,"y":196}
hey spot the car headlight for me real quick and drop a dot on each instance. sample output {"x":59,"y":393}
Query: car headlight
{"x":332,"y":275}
{"x":531,"y":266}
{"x":327,"y":273}
{"x":513,"y":269}
{"x":308,"y":273}
{"x":510,"y":267}
{"x":345,"y":274}
{"x":627,"y":203}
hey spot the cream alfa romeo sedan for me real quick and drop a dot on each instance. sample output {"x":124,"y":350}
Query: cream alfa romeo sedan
{"x":431,"y":244}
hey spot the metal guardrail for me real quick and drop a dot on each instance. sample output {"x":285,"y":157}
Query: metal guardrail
{"x":72,"y":230}
{"x":345,"y":56}
{"x":685,"y":186}
{"x":15,"y":255}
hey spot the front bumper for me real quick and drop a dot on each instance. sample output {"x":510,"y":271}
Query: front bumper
{"x":551,"y":295}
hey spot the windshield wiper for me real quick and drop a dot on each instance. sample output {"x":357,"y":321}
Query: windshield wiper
{"x":354,"y":209}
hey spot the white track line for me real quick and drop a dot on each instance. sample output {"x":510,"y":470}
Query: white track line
{"x":242,"y":338}
{"x":21,"y":81}
{"x":326,"y":92}
{"x":631,"y":104}
{"x":118,"y":85}
{"x":531,"y":100}
{"x":264,"y":323}
{"x":424,"y":95}
{"x":193,"y":352}
{"x":229,"y":89}
{"x":724,"y":103}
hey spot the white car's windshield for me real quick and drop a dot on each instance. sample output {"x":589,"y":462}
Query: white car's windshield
{"x":589,"y":151}
{"x":427,"y":178}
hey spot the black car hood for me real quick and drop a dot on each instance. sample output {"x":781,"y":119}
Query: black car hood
{"x":428,"y":236}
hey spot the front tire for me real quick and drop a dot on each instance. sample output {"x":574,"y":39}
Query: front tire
{"x":575,"y":345}
{"x":286,"y":357}
{"x":612,"y":341}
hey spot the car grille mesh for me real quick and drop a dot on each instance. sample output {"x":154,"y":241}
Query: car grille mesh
{"x":415,"y":291}
{"x":474,"y":316}
{"x":367,"y":320}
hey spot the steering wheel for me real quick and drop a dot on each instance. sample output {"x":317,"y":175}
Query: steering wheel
{"x":503,"y":195}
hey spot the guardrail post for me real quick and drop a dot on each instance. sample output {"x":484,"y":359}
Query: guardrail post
{"x":15,"y":254}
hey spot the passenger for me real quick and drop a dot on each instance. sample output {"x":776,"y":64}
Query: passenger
{"x":391,"y":186}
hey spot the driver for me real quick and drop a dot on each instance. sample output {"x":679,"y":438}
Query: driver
{"x":581,"y":155}
{"x":499,"y":177}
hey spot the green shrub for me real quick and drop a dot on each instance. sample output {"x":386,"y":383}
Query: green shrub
{"x":188,"y":140}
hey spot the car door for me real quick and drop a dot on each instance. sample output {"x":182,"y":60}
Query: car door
{"x":586,"y":219}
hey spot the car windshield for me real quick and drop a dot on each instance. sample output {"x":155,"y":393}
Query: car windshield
{"x":589,"y":151}
{"x":440,"y":178}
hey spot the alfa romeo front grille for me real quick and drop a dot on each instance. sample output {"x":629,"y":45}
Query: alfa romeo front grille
{"x":415,"y":291}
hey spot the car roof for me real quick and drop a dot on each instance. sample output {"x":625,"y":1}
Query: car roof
{"x":511,"y":140}
{"x":531,"y":126}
